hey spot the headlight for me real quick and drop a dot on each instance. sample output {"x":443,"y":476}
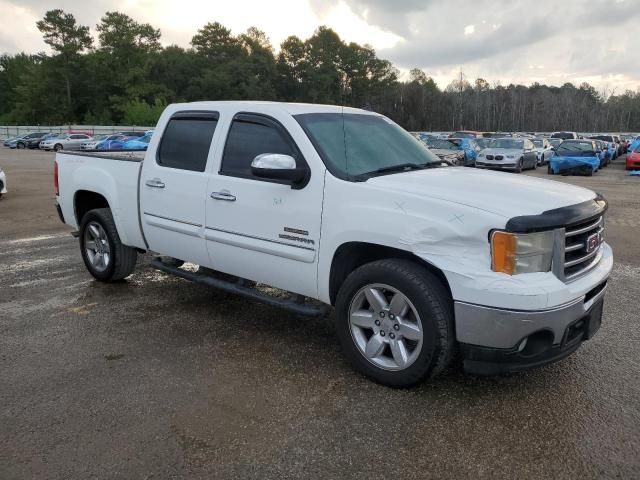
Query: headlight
{"x":511,"y":156}
{"x":481,"y":155}
{"x":514,"y":253}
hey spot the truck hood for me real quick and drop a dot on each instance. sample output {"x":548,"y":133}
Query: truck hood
{"x":505,"y":194}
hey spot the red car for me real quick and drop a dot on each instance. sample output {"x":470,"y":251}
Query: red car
{"x":633,"y":159}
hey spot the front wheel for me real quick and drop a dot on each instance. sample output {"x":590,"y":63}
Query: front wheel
{"x":519,"y":167}
{"x":57,"y":147}
{"x":394,"y":322}
{"x":106,"y":258}
{"x":20,"y":146}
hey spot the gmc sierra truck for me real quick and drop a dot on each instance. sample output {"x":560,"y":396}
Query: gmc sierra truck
{"x":342,"y":207}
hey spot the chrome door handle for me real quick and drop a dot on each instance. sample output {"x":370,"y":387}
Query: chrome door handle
{"x":223,"y":195}
{"x":155,"y":183}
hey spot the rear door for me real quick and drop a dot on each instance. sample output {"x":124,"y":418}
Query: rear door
{"x":173,"y":187}
{"x":75,"y":140}
{"x":262,"y":229}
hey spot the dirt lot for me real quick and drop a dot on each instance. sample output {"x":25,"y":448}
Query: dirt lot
{"x":156,"y":377}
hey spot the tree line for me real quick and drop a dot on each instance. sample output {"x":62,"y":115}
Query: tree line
{"x":128,"y":77}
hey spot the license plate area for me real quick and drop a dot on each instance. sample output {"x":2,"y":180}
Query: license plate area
{"x":585,"y":327}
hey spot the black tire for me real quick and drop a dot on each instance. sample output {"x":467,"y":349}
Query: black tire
{"x":519,"y":167}
{"x":123,"y":258}
{"x":549,"y":170}
{"x":57,"y":147}
{"x":20,"y":146}
{"x":431,"y":300}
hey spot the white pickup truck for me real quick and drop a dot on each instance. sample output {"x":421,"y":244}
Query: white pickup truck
{"x":342,"y":207}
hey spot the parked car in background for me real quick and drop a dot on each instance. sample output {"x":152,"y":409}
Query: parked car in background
{"x":470,"y":148}
{"x":619,"y":145}
{"x":633,"y":159}
{"x":603,"y":153}
{"x":555,"y":142}
{"x":115,"y":141}
{"x":137,"y":143}
{"x":91,"y":144}
{"x":7,"y":142}
{"x":22,"y":140}
{"x":105,"y":143}
{"x":635,"y":142}
{"x":515,"y":154}
{"x":565,"y":135}
{"x":116,"y":144}
{"x":483,"y":142}
{"x":444,"y":149}
{"x":35,"y":142}
{"x":612,"y":146}
{"x":575,"y":156}
{"x":64,"y":141}
{"x":466,"y":134}
{"x":3,"y":183}
{"x":544,"y":150}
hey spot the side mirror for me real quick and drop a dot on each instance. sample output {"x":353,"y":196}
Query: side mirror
{"x":277,"y":166}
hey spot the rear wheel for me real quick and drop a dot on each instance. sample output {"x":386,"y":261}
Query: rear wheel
{"x":104,"y":255}
{"x":394,"y":322}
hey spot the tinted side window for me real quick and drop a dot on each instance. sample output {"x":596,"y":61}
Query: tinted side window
{"x":186,"y":141}
{"x":248,"y":137}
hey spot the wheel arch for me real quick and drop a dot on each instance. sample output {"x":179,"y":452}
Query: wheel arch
{"x":85,"y":200}
{"x":351,"y":255}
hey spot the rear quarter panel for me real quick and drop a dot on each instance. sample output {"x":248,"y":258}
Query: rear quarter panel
{"x":115,"y":180}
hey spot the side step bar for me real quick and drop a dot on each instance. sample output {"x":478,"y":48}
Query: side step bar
{"x":294,"y":303}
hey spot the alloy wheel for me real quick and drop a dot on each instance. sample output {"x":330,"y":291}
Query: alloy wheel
{"x":96,"y":246}
{"x":385,"y":327}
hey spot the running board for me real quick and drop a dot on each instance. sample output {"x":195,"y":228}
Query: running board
{"x":294,"y":303}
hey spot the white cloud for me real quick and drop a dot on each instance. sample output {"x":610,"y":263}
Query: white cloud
{"x":573,"y":40}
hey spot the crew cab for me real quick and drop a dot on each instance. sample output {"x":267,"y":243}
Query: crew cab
{"x":342,"y":207}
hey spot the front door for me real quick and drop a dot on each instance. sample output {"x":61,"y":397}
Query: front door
{"x":173,"y":187}
{"x":261,"y":229}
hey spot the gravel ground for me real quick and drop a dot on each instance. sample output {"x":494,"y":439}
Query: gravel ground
{"x":156,"y":377}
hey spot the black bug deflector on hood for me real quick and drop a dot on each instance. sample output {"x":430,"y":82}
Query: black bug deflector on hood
{"x":559,"y":217}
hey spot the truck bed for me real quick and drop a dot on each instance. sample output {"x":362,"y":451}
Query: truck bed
{"x":114,"y":176}
{"x":124,"y":155}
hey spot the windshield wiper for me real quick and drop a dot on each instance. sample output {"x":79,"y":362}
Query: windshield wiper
{"x":405,"y":167}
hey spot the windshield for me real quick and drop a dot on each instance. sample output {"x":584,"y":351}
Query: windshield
{"x":507,"y":143}
{"x":356,"y":145}
{"x":483,"y":142}
{"x":575,"y":148}
{"x":61,"y":135}
{"x":538,"y":143}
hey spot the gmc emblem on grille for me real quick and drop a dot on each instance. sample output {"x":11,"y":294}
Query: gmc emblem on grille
{"x":593,"y":242}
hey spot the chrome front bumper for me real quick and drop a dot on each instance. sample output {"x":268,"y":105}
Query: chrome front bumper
{"x":506,"y":329}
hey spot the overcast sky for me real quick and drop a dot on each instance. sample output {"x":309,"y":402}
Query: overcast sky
{"x":549,"y":41}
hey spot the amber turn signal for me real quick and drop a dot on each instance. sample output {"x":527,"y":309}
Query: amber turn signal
{"x":503,"y":252}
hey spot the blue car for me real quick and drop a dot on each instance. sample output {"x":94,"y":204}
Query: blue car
{"x":107,"y":142}
{"x":137,"y":143}
{"x":575,"y":156}
{"x":634,"y":144}
{"x":470,"y":148}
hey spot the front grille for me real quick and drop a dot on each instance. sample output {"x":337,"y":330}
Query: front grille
{"x":583,"y":247}
{"x":499,"y":157}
